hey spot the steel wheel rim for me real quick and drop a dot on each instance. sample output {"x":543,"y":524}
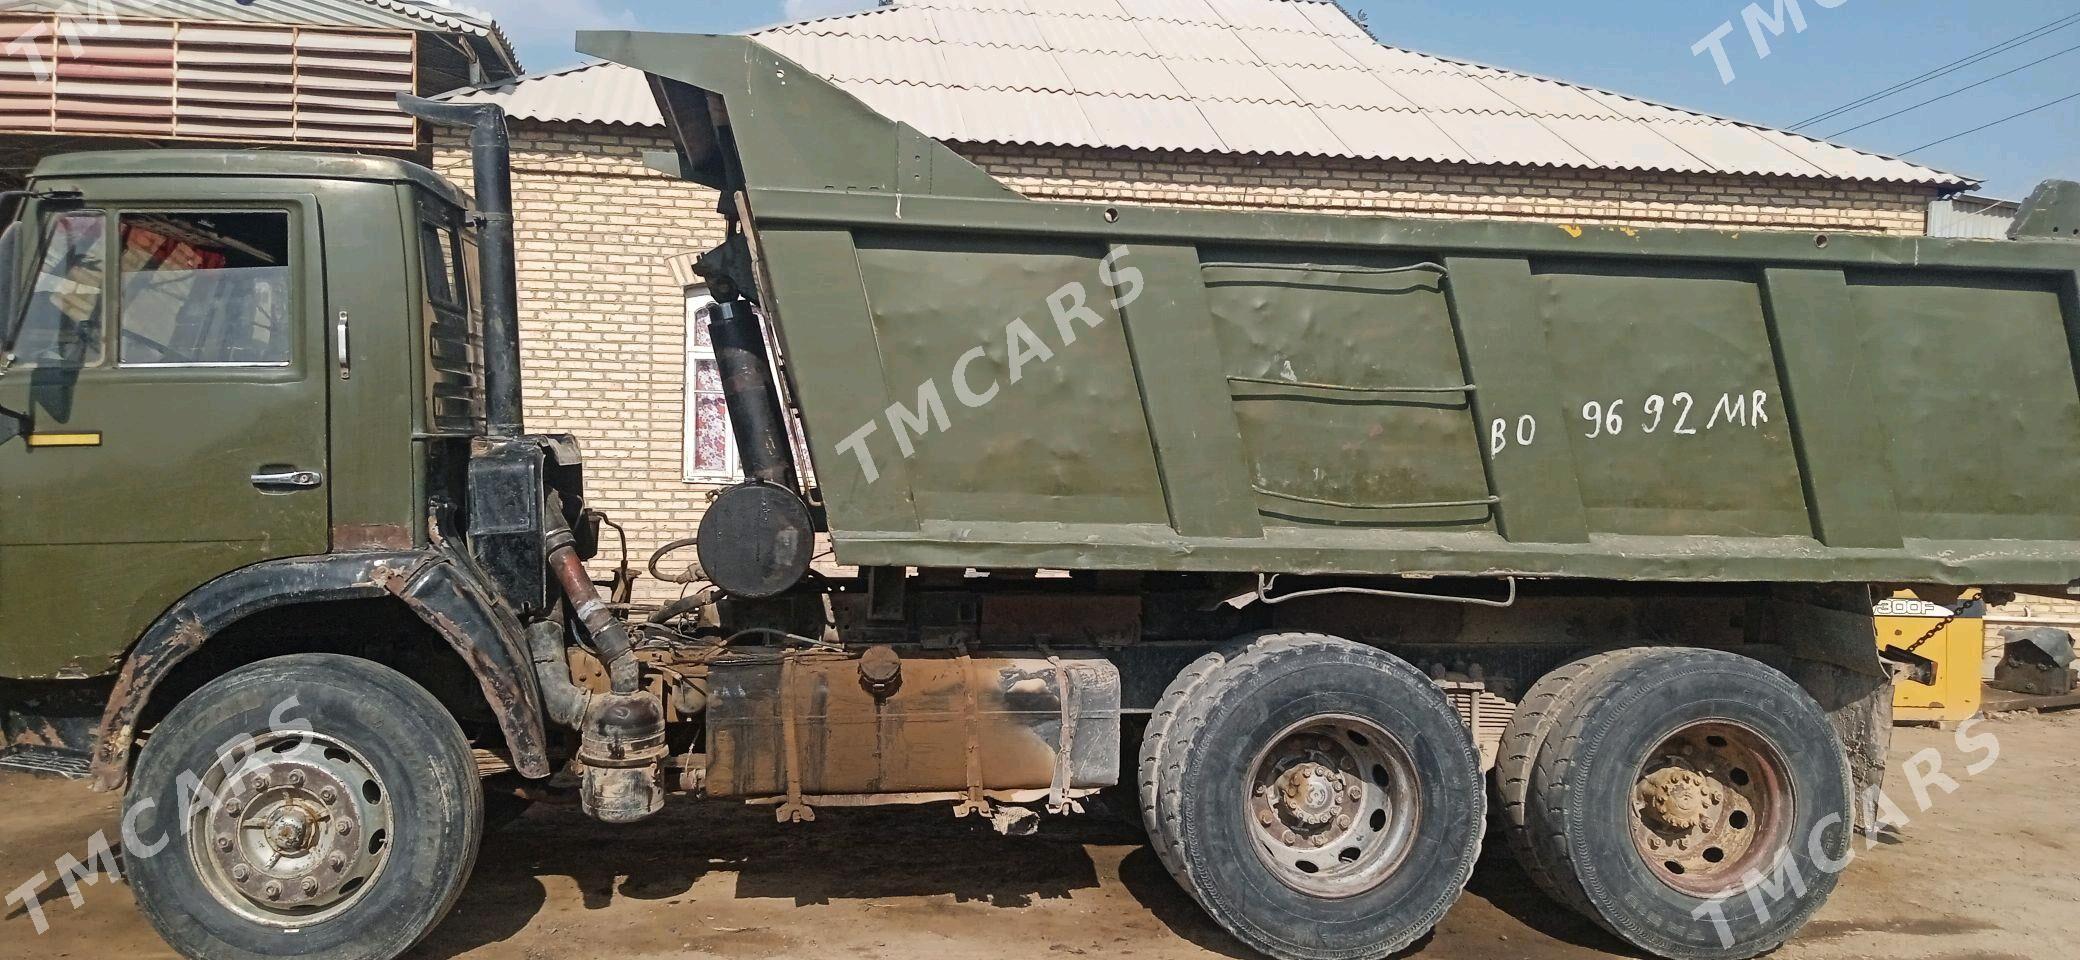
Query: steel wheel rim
{"x":1331,"y":805}
{"x":299,"y":828}
{"x":1711,"y":806}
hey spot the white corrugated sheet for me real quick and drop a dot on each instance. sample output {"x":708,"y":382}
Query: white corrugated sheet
{"x":1277,"y":77}
{"x":1975,"y":218}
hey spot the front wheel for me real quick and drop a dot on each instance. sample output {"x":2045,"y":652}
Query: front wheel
{"x":1321,"y":799}
{"x":310,"y":806}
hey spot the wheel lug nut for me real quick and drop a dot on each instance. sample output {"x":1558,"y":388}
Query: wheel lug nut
{"x":1357,"y":792}
{"x":327,"y":795}
{"x":241,"y":872}
{"x":1343,"y":820}
{"x":259,"y":782}
{"x":346,"y":827}
{"x":296,"y":778}
{"x":1289,"y":838}
{"x":310,"y":886}
{"x":1265,"y":817}
{"x":273,"y":890}
{"x":224,"y":844}
{"x":337,"y":862}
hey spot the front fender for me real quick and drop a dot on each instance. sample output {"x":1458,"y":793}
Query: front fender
{"x":441,"y":591}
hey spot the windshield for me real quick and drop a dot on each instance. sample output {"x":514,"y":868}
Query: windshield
{"x":57,"y":320}
{"x":10,"y":308}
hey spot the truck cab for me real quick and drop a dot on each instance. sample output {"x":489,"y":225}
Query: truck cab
{"x":222,"y":358}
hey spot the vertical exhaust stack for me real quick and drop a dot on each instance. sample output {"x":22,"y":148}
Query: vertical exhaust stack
{"x":491,"y":167}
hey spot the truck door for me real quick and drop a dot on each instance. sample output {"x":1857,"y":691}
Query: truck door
{"x":165,"y":421}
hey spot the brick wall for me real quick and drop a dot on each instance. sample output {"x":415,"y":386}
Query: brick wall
{"x":603,"y":319}
{"x":1371,"y":188}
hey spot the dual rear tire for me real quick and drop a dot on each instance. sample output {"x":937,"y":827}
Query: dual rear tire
{"x":1319,"y":798}
{"x":1322,"y":800}
{"x":1697,"y":804}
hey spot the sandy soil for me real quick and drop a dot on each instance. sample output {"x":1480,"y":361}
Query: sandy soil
{"x":1990,"y":872}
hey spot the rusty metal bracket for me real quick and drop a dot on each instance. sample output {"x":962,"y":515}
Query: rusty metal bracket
{"x":1058,"y":801}
{"x":971,"y":717}
{"x":794,"y":810}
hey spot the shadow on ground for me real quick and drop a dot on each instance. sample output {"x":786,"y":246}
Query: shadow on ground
{"x":873,"y":855}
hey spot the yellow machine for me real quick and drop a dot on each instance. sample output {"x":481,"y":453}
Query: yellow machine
{"x":1950,"y":631}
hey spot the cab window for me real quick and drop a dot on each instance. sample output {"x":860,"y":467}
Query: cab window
{"x":61,"y":322}
{"x":205,"y":289}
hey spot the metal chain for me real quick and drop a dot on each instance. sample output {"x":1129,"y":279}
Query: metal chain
{"x":1932,"y":631}
{"x":1963,"y":604}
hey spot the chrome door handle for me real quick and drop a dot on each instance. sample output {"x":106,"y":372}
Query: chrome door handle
{"x":288,"y":480}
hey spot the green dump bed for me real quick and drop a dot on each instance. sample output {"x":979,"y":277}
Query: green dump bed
{"x":990,"y":381}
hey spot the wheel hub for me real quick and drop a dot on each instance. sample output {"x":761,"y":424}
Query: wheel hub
{"x":1311,"y":793}
{"x":1332,"y":806}
{"x":296,"y":832}
{"x":1678,"y":797}
{"x":1710,"y":807}
{"x":292,"y":830}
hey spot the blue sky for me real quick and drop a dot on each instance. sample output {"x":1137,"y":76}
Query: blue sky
{"x":1638,"y":47}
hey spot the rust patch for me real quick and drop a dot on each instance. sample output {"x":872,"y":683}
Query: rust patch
{"x":371,"y":536}
{"x":39,"y":732}
{"x":152,"y":660}
{"x":505,"y":691}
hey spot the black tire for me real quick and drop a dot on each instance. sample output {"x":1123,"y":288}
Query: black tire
{"x":428,"y":789}
{"x":1544,"y":707}
{"x":1620,"y":721}
{"x":1149,"y":769}
{"x":1274,"y":685}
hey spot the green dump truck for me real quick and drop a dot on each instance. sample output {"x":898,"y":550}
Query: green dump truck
{"x":1309,"y":542}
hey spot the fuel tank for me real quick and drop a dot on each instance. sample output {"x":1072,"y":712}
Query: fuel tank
{"x":1017,"y":728}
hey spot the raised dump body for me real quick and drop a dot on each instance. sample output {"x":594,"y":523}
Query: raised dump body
{"x":991,"y":381}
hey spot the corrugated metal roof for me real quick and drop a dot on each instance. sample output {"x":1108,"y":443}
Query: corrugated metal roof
{"x":1279,"y":77}
{"x":415,"y":15}
{"x":1976,"y":218}
{"x":589,"y":93}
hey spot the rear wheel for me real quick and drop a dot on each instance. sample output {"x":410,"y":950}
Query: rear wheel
{"x":1156,"y":735}
{"x":313,"y":806}
{"x":1321,"y":799}
{"x":1695,"y":803}
{"x":1544,"y":706}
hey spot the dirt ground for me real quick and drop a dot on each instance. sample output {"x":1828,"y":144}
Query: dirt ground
{"x":1991,"y":872}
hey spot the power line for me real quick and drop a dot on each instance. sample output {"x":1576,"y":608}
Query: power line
{"x":1945,"y":70}
{"x":1924,"y":103}
{"x":1989,"y":126}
